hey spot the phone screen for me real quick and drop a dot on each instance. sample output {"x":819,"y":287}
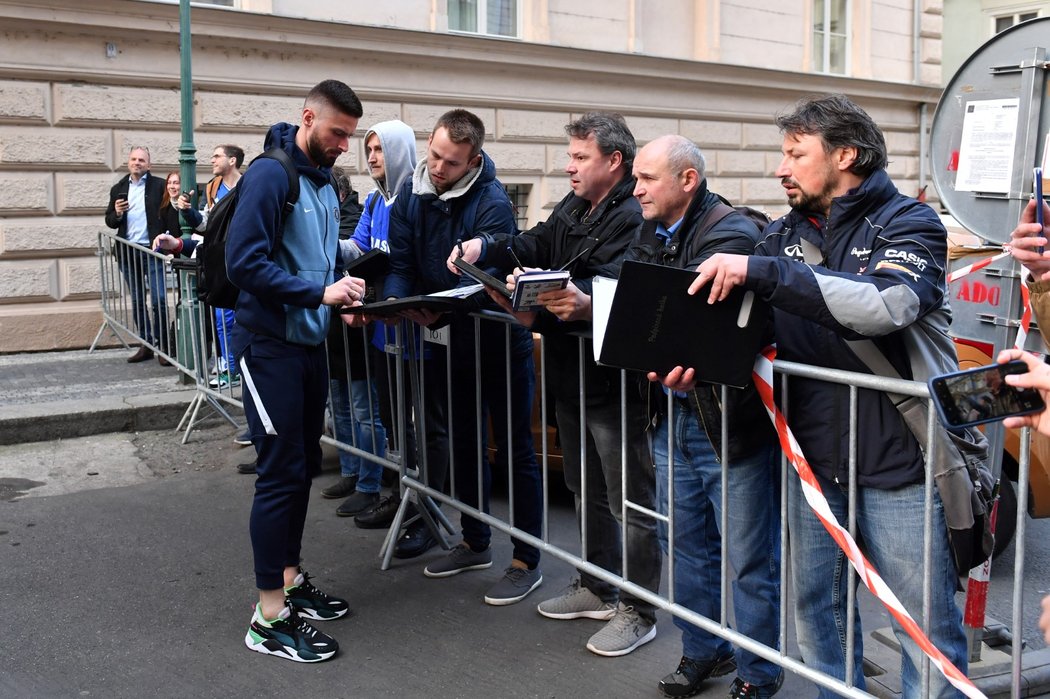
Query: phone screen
{"x":981,"y":395}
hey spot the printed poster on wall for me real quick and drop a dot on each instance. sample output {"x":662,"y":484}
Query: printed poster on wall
{"x":986,"y":153}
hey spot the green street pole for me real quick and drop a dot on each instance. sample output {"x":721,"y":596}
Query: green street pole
{"x":187,"y":149}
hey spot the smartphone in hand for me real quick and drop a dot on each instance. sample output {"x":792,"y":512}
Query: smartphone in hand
{"x":980,"y":395}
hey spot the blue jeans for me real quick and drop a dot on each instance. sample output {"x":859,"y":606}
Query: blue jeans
{"x":753,"y":541}
{"x":140,"y":270}
{"x":889,"y":531}
{"x":356,"y":416}
{"x":223,"y":330}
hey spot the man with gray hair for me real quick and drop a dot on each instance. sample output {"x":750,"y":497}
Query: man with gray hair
{"x":685,"y":224}
{"x":589,"y":230}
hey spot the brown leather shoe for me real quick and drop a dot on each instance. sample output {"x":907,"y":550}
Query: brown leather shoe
{"x":142,"y":355}
{"x":162,"y":361}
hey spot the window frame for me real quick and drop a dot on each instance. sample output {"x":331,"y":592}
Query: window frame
{"x":1014,"y":14}
{"x":481,"y":18}
{"x":822,"y":63}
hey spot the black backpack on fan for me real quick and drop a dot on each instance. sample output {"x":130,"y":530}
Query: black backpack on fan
{"x":213,"y":285}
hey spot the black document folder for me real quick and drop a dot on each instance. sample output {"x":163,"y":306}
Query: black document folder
{"x":369,"y":266}
{"x":372,"y":266}
{"x":460,"y":299}
{"x":646,"y":321}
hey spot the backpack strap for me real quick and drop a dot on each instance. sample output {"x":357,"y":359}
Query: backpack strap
{"x":373,"y":199}
{"x":290,"y":199}
{"x":713,"y":217}
{"x":211,"y":190}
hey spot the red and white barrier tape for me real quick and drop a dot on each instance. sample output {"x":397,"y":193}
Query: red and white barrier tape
{"x":1026,"y":305}
{"x":963,"y":271}
{"x":763,"y":375}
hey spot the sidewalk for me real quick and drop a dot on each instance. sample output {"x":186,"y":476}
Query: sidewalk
{"x":71,"y":394}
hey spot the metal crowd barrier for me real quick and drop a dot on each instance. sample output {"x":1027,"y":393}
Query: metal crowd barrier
{"x":412,"y":365}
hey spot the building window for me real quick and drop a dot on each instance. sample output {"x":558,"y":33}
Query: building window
{"x":831,"y":36}
{"x":1003,"y":22}
{"x":494,"y":17}
{"x":519,"y":199}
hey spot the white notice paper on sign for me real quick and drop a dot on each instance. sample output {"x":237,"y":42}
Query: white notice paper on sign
{"x":986,"y":153}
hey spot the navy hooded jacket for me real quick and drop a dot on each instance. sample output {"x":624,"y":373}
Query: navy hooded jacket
{"x":282,"y":289}
{"x":883,"y":269}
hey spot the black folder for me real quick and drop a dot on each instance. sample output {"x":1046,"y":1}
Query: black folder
{"x":369,"y":266}
{"x":458,"y":300}
{"x":654,"y":325}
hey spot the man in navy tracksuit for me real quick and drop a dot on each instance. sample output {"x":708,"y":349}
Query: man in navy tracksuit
{"x":284,"y":311}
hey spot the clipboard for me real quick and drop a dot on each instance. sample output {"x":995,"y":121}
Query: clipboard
{"x":646,"y":321}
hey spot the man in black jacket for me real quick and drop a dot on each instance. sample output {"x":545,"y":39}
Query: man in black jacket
{"x":134,"y":210}
{"x":682,"y":229}
{"x":589,"y":230}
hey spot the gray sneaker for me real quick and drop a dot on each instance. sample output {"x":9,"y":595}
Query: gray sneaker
{"x":577,"y":603}
{"x":625,"y":631}
{"x":514,"y":586}
{"x":459,"y":559}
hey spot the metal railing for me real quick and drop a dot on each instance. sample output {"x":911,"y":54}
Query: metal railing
{"x":423,"y":399}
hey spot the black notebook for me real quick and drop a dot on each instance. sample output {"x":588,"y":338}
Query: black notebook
{"x":646,"y":321}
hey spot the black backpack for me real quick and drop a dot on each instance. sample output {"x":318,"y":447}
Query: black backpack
{"x":213,"y":285}
{"x":719,"y":211}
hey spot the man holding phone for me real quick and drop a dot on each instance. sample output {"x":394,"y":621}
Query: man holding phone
{"x":134,"y":211}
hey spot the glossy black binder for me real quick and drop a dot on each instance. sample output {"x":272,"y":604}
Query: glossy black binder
{"x":654,"y":325}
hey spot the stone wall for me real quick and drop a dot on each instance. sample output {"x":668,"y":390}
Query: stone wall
{"x":69,"y":114}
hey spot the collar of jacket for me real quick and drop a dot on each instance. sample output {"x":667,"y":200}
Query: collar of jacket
{"x":846,"y":210}
{"x":697,"y":208}
{"x":578,"y":209}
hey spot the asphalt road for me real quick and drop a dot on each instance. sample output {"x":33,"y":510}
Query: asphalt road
{"x":125,"y":571}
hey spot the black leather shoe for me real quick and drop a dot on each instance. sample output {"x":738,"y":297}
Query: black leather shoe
{"x":416,"y":541}
{"x":358,"y":502}
{"x":686,"y":680}
{"x":342,"y":488}
{"x":142,"y":355}
{"x":247,"y":468}
{"x":379,"y":515}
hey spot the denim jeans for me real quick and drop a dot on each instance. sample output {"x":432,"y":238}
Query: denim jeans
{"x":140,"y":270}
{"x":605,"y":491}
{"x":355,"y":413}
{"x":223,"y":330}
{"x":889,"y":532}
{"x":753,"y":541}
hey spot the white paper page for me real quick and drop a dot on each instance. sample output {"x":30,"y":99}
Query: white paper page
{"x":986,"y":153}
{"x":603,"y":289}
{"x":460,"y":292}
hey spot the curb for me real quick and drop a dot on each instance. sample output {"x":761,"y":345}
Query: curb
{"x":40,"y":422}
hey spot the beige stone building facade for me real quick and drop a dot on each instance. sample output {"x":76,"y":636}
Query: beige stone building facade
{"x":82,"y":82}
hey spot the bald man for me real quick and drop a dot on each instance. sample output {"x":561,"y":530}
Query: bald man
{"x":685,"y":224}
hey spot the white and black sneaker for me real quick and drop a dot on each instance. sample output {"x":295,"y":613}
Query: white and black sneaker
{"x":313,"y":603}
{"x":289,"y":637}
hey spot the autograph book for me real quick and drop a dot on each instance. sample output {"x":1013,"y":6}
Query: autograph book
{"x":647,"y":322}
